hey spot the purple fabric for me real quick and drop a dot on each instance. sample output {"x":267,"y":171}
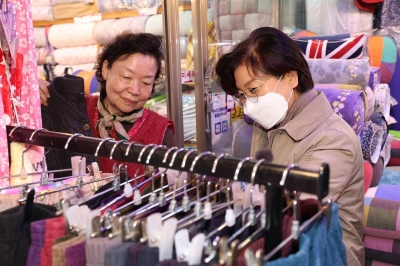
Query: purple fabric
{"x":374,"y":77}
{"x":111,"y":198}
{"x":348,"y":104}
{"x":395,"y":83}
{"x":389,"y":192}
{"x":37,"y":243}
{"x":76,"y":255}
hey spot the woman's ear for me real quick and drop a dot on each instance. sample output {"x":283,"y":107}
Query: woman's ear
{"x":292,"y":79}
{"x":104,"y":70}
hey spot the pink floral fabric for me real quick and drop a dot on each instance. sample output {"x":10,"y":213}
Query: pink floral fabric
{"x":28,"y":111}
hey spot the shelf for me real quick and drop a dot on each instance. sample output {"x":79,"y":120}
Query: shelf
{"x":108,"y":15}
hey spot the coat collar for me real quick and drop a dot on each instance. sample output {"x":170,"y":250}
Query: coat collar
{"x":313,"y":115}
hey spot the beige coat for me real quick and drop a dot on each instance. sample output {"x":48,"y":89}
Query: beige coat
{"x":315,"y":135}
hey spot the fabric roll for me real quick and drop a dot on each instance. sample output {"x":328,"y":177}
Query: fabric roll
{"x":72,"y":34}
{"x":340,"y":71}
{"x":376,"y":222}
{"x":108,"y":6}
{"x":96,"y":248}
{"x":383,"y":53}
{"x":336,"y":17}
{"x":382,"y":249}
{"x":374,"y":77}
{"x":41,"y":54}
{"x":76,"y":55}
{"x":72,"y":10}
{"x":60,"y":70}
{"x":380,"y":120}
{"x":42,"y":13}
{"x":76,"y":254}
{"x":108,"y":29}
{"x":40,"y":36}
{"x":370,"y":102}
{"x":382,"y":100}
{"x":348,"y":104}
{"x":377,"y":171}
{"x":390,"y":13}
{"x":371,"y":141}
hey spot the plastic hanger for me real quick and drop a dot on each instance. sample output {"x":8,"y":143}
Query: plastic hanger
{"x":161,"y":234}
{"x":186,"y":250}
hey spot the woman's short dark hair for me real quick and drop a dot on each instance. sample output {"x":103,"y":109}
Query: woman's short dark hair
{"x":124,"y":45}
{"x":266,"y":51}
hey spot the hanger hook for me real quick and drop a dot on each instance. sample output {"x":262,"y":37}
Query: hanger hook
{"x":15,"y":128}
{"x":214,"y":168}
{"x":198,"y":157}
{"x":239,"y":166}
{"x":174,"y":156}
{"x":114,"y":147}
{"x":285,"y":173}
{"x":255,"y":168}
{"x":129,"y":147}
{"x":70,"y":138}
{"x":142,"y":151}
{"x":167,"y":153}
{"x":34,"y":132}
{"x":152,"y":151}
{"x":101,"y":143}
{"x":186,"y":157}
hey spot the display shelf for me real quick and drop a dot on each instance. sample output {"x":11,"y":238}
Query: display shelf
{"x":108,"y":15}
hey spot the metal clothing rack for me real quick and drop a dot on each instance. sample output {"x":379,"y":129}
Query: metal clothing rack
{"x":270,"y":175}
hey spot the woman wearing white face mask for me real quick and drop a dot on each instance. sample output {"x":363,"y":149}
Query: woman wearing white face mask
{"x":267,"y":74}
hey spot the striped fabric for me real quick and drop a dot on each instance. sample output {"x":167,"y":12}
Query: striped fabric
{"x":382,"y":218}
{"x":212,"y":49}
{"x":347,"y":48}
{"x":382,"y":249}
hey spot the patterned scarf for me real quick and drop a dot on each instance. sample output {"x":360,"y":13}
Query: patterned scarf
{"x":114,"y":121}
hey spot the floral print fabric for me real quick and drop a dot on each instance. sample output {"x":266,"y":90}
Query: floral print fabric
{"x":340,"y":71}
{"x":347,"y":104}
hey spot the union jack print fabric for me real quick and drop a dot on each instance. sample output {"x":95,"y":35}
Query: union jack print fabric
{"x":348,"y":48}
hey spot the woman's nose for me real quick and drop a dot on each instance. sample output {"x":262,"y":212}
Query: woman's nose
{"x":134,"y":89}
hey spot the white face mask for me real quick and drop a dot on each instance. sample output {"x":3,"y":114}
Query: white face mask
{"x":269,"y":110}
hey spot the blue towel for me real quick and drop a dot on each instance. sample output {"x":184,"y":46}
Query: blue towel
{"x":319,"y":246}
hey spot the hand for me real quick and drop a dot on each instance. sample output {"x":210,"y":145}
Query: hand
{"x":44,"y":92}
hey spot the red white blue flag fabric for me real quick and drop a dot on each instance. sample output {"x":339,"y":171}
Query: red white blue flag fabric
{"x":348,"y":48}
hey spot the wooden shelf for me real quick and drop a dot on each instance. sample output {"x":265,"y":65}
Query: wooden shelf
{"x":108,"y":15}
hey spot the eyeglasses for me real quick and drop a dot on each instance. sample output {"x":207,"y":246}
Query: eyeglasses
{"x":248,"y":94}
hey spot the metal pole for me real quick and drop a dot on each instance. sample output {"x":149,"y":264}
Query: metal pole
{"x":200,"y":53}
{"x":173,"y":81}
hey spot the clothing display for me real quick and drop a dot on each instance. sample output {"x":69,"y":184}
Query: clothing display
{"x":84,"y":236}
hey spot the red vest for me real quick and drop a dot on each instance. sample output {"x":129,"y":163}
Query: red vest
{"x":148,"y":129}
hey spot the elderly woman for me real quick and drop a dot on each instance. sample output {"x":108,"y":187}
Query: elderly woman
{"x":126,"y":69}
{"x":267,"y":74}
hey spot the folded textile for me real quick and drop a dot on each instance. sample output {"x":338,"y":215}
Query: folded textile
{"x":340,"y":71}
{"x":108,"y":29}
{"x":40,"y":36}
{"x":336,"y":17}
{"x":71,"y":10}
{"x":72,"y":34}
{"x":76,"y":55}
{"x":42,"y":13}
